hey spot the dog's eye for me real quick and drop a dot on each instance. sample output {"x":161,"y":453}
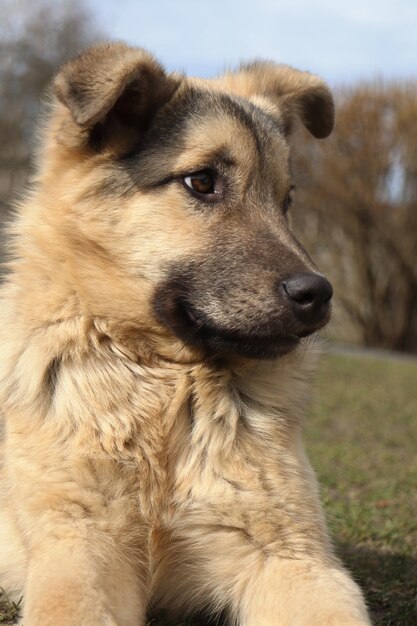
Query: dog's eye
{"x":203,"y":182}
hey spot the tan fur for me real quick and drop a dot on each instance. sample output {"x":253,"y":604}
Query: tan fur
{"x":136,"y":470}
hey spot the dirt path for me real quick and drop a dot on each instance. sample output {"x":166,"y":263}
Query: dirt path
{"x":377,"y":353}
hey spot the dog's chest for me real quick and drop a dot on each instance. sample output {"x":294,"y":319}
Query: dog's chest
{"x":182,"y":433}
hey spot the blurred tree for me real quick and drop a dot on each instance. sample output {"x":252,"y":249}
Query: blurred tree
{"x":357,"y":213}
{"x":35,"y":38}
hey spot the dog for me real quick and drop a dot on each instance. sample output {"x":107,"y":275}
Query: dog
{"x":156,"y":352}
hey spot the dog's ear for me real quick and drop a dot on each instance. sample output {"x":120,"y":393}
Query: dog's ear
{"x":111,"y":86}
{"x":297,"y":94}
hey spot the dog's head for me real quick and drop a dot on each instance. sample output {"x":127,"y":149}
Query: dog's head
{"x":176,"y":193}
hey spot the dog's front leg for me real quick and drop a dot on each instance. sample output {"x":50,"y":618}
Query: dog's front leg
{"x":66,"y":586}
{"x":286,"y":592}
{"x":86,"y":544}
{"x":78,"y":576}
{"x":259,"y":587}
{"x":260,"y":539}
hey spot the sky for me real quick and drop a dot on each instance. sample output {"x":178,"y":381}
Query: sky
{"x":343,"y":40}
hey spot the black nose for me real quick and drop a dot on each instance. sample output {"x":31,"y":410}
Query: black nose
{"x":310,"y":296}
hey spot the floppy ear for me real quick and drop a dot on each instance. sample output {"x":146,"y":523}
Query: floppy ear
{"x":296,"y":93}
{"x":111,"y":86}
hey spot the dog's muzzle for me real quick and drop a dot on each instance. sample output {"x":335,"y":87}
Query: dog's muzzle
{"x":301,"y":305}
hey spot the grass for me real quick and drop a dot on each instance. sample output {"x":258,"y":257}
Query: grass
{"x":9,"y":610}
{"x":361,"y":439}
{"x":362,"y":442}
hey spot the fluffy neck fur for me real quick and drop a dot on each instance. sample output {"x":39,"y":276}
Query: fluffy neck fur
{"x":117,"y":390}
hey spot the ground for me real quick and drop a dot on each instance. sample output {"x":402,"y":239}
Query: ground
{"x":361,"y":437}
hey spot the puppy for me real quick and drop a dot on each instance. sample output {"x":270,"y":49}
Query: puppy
{"x":154,"y":369}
